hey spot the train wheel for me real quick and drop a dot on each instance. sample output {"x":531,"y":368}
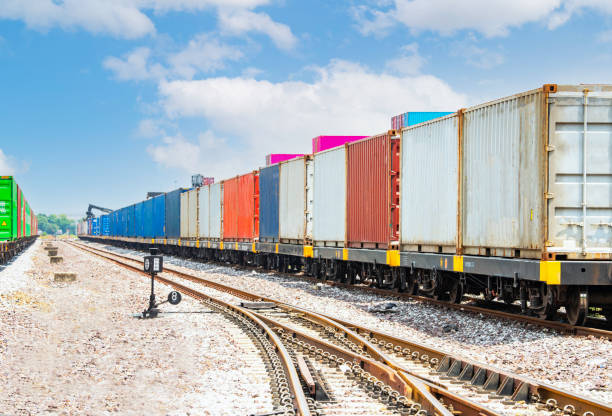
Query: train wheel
{"x":548,"y":309}
{"x":577,"y":306}
{"x":455,"y":291}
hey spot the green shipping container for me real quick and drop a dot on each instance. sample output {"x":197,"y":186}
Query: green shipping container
{"x":15,"y":212}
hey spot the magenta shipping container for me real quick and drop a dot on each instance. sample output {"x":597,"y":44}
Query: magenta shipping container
{"x":321,"y":143}
{"x":280,"y":157}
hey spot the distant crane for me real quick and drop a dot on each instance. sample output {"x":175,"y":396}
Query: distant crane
{"x":90,"y":214}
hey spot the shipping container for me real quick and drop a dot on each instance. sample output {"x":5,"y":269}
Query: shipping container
{"x":138,"y":220}
{"x":204,"y":212}
{"x":190,"y":214}
{"x":295,"y":200}
{"x":173,"y":213}
{"x":533,"y":174}
{"x":329,"y":207}
{"x":429,"y":184}
{"x":274,"y":158}
{"x":28,"y":220}
{"x":95,"y":226}
{"x":373,"y":192}
{"x":241,"y":208}
{"x":268,"y":203}
{"x":216,"y":211}
{"x":159,"y":216}
{"x":321,"y":143}
{"x":131,"y":220}
{"x":411,"y":118}
{"x":105,"y":225}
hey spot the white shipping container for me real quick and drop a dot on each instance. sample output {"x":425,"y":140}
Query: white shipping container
{"x":329,"y":208}
{"x":216,"y":210}
{"x":189,"y":214}
{"x":184,"y":215}
{"x":292,"y":200}
{"x":535,"y":177}
{"x":429,"y":186}
{"x":204,"y":214}
{"x":194,"y":218}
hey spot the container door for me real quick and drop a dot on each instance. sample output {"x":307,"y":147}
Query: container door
{"x":194,"y":225}
{"x":309,"y":197}
{"x":580,"y":174}
{"x":184,"y":214}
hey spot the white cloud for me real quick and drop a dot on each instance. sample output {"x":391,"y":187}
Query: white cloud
{"x":490,"y":18}
{"x":409,"y":62}
{"x":134,"y":66}
{"x":203,"y":54}
{"x":263,"y":117}
{"x":120,"y":18}
{"x":240,"y":21}
{"x":11,"y":166}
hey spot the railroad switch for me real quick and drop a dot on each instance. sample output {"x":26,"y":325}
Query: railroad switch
{"x":154,"y":264}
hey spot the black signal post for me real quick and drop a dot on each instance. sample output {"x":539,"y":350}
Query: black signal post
{"x":154,"y":264}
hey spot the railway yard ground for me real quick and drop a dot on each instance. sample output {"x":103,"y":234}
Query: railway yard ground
{"x":76,"y":348}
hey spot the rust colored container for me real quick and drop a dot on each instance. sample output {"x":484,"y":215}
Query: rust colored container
{"x":241,"y":208}
{"x":373,"y":192}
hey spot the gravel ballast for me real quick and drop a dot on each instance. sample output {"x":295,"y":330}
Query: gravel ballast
{"x":75,"y":348}
{"x":577,"y":364}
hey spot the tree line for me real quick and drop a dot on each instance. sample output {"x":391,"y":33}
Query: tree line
{"x":56,"y":224}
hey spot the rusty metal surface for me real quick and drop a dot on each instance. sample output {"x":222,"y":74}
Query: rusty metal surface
{"x":369,"y":204}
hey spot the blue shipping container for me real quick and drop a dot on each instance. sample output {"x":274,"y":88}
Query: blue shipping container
{"x":95,"y":226}
{"x":113,"y":223}
{"x":147,"y":218}
{"x":268,"y":203}
{"x":415,"y":117}
{"x":173,"y":213}
{"x":159,"y":216}
{"x":105,"y":225}
{"x":138,"y":220}
{"x":131,"y":221}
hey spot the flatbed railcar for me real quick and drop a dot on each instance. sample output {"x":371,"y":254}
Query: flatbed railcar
{"x":509,"y":199}
{"x":18,"y":223}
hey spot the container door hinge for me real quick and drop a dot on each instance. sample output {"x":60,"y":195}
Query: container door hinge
{"x":550,"y":147}
{"x":549,"y":195}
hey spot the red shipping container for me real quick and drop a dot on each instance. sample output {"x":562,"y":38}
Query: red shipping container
{"x":373,"y":192}
{"x":241,"y":208}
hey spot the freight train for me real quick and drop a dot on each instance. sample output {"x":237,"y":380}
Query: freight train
{"x":511,"y":199}
{"x":18,"y":224}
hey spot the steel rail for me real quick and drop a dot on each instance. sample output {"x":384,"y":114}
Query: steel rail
{"x":545,"y":393}
{"x":383,"y":367}
{"x":298,"y":396}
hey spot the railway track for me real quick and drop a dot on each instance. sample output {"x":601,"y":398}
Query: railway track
{"x":398,"y":376}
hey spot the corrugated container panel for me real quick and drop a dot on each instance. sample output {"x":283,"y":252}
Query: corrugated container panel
{"x":216,"y":211}
{"x":241,"y":208}
{"x":131,"y":220}
{"x":321,"y":143}
{"x":204,"y":211}
{"x":139,"y":219}
{"x":372,"y":164}
{"x":415,"y":117}
{"x":503,"y":181}
{"x":95,"y":226}
{"x":147,"y":218}
{"x":309,"y":197}
{"x":159,"y":216}
{"x":574,"y":179}
{"x":105,"y":225}
{"x":184,"y":214}
{"x":274,"y":158}
{"x":292,"y":200}
{"x":329,"y":207}
{"x":268,"y":203}
{"x":429,"y":185}
{"x":194,"y":219}
{"x":173,"y":213}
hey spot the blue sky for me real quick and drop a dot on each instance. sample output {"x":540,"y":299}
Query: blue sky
{"x":104,"y":100}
